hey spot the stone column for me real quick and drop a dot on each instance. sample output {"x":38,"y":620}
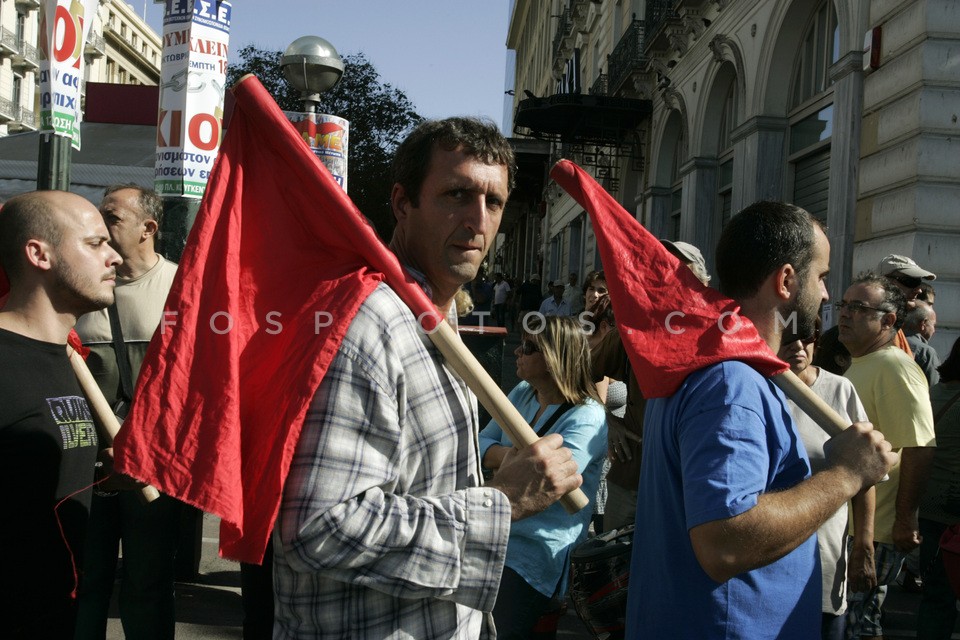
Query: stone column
{"x":759,"y":160}
{"x":700,"y":220}
{"x":847,"y":76}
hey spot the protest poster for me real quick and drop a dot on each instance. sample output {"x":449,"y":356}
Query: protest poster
{"x":193,"y":75}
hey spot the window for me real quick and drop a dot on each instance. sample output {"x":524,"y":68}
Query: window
{"x":811,"y":120}
{"x":728,"y":122}
{"x":676,"y":186}
{"x":819,"y":49}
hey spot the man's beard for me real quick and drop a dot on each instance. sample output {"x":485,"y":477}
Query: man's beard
{"x":81,"y":293}
{"x":800,"y":319}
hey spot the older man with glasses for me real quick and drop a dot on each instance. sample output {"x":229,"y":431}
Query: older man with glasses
{"x":895,"y":395}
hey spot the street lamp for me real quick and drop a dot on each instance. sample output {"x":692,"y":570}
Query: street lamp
{"x":312,"y":66}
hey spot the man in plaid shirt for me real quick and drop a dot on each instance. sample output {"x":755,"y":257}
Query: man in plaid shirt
{"x":385,"y":528}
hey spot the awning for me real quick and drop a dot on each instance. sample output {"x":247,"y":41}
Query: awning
{"x":581,"y":119}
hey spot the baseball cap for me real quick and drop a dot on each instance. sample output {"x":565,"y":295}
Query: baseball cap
{"x":534,"y":276}
{"x":688,"y":252}
{"x":902,"y":264}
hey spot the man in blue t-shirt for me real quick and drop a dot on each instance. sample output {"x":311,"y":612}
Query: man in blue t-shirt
{"x":727,"y":511}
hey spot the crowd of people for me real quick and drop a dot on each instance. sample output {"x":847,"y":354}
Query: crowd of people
{"x":402,"y":516}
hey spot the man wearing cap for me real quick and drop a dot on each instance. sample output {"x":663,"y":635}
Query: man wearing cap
{"x":907,"y":274}
{"x":555,"y":305}
{"x":690,"y":256}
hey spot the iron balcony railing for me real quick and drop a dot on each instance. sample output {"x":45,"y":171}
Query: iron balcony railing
{"x":8,"y":41}
{"x":626,"y":56}
{"x":95,"y":46}
{"x":599,"y":87}
{"x":28,"y":55}
{"x":658,"y":11}
{"x":7,"y":110}
{"x":26,"y":118}
{"x":563,"y":30}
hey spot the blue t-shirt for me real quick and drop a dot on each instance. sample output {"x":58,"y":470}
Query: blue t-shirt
{"x":540,"y":545}
{"x":709,"y":451}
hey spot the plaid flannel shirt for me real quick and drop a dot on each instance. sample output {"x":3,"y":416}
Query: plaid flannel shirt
{"x":384,"y":530}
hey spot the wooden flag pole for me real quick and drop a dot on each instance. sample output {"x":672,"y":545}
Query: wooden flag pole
{"x":101,"y":409}
{"x":811,"y":404}
{"x":493,"y":399}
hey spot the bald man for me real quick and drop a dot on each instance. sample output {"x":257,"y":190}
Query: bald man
{"x":54,"y":249}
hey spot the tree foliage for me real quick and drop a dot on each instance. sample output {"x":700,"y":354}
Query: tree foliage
{"x":380,"y":116}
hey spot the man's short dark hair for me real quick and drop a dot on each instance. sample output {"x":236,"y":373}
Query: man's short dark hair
{"x":893,"y":299}
{"x":150,"y":203}
{"x":480,"y":139}
{"x":761,"y":239}
{"x":23,"y":218}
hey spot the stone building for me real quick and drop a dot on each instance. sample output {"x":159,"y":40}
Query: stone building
{"x":689,"y":110}
{"x":121,"y":49}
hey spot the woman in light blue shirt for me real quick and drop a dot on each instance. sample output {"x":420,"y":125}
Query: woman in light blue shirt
{"x":556,"y":395}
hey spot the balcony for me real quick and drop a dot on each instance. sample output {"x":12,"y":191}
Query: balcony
{"x":574,"y":118}
{"x":660,"y":13}
{"x":8,"y":43}
{"x":27,"y":5}
{"x":562,"y":42}
{"x":627,"y":57}
{"x":95,"y":46}
{"x":7,"y":110}
{"x":24,"y":119}
{"x":27,"y":58}
{"x":599,"y":86}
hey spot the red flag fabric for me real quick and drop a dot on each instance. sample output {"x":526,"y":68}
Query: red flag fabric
{"x":670,"y":323}
{"x":275,"y":267}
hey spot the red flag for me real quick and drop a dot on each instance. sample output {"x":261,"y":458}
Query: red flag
{"x":671,"y":324}
{"x":229,"y":376}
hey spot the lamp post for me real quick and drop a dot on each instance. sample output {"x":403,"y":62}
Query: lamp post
{"x":312,"y":66}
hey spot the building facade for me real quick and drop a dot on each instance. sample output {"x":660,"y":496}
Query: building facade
{"x":121,"y":49}
{"x":689,"y":110}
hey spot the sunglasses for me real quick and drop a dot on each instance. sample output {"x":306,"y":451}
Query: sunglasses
{"x":857,"y":307}
{"x":812,"y":339}
{"x":528,"y":347}
{"x":907,"y":281}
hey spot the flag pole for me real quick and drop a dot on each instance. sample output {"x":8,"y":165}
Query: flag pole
{"x":492,"y":398}
{"x":102,"y":411}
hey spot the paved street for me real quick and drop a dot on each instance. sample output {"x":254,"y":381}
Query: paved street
{"x":210,"y":609}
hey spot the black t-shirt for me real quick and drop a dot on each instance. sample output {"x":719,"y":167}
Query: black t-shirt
{"x":48,"y":447}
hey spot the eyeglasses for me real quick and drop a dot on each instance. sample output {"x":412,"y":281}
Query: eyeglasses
{"x":857,"y":307}
{"x":907,"y":281}
{"x":812,"y":339}
{"x":528,"y":347}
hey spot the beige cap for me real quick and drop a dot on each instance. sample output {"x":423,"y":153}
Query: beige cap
{"x":902,"y":264}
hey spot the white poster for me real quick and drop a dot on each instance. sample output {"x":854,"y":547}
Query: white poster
{"x":193,"y":76}
{"x":64,"y":27}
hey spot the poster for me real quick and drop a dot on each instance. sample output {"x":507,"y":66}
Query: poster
{"x":64,"y":27}
{"x":328,"y":137}
{"x":193,"y":76}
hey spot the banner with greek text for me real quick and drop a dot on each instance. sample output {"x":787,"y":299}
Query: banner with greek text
{"x":64,"y":26}
{"x":193,"y":75}
{"x":328,"y":137}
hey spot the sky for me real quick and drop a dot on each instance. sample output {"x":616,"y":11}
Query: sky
{"x":448,"y":56}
